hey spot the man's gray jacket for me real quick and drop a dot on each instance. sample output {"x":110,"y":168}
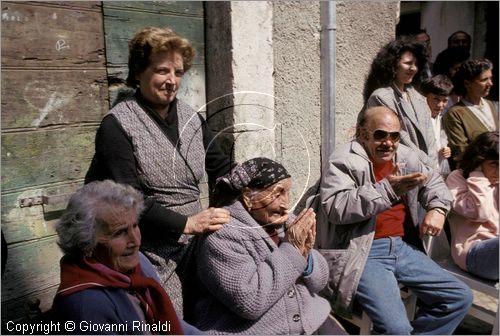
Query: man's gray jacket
{"x":349,"y":201}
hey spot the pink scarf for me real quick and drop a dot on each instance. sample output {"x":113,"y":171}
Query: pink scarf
{"x":84,"y":273}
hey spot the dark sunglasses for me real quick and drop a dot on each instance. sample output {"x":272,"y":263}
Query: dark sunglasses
{"x":380,"y":135}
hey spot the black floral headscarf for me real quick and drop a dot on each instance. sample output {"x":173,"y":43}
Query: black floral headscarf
{"x":257,"y":173}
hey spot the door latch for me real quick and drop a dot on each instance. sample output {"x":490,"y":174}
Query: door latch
{"x":41,"y":200}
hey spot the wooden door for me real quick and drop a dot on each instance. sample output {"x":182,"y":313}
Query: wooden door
{"x":62,"y":65}
{"x":54,"y":94}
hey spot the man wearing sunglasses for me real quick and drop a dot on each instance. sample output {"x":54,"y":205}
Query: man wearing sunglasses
{"x":371,"y":194}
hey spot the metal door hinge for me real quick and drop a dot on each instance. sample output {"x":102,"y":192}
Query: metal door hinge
{"x":41,"y":200}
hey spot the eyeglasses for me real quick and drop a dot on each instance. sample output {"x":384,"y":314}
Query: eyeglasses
{"x":380,"y":135}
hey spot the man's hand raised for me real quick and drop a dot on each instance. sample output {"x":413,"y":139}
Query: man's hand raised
{"x":401,"y":184}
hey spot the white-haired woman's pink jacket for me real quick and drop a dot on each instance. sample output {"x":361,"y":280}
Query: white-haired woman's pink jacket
{"x":474,"y":215}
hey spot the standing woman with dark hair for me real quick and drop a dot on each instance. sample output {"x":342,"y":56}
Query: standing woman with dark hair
{"x":392,"y":82}
{"x":159,"y":145}
{"x":473,"y":114}
{"x":474,"y":219}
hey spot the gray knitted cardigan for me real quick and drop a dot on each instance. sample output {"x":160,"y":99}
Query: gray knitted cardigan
{"x":249,"y":285}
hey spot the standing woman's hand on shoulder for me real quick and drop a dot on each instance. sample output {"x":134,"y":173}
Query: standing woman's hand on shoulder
{"x":208,"y":220}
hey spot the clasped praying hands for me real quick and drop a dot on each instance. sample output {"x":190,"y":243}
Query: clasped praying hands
{"x":302,"y":232}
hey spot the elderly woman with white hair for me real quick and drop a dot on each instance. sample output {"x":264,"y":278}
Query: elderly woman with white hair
{"x":259,"y":273}
{"x":107,"y":285}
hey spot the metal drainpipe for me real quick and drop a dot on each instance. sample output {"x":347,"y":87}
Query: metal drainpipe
{"x":328,"y":59}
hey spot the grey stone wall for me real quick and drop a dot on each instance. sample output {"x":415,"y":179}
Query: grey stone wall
{"x":362,"y":28}
{"x":240,"y":83}
{"x":264,"y":77}
{"x":297,"y":83}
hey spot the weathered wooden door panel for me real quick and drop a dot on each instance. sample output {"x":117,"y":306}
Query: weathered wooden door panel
{"x":54,"y":94}
{"x":55,"y":81}
{"x":34,"y":35}
{"x":42,"y":269}
{"x":52,"y":97}
{"x":121,"y":25}
{"x":188,"y":8}
{"x":32,"y":271}
{"x":95,"y":5}
{"x":21,"y":224}
{"x":48,"y":156}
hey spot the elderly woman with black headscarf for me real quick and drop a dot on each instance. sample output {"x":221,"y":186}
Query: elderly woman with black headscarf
{"x":259,"y":274}
{"x":107,"y":285}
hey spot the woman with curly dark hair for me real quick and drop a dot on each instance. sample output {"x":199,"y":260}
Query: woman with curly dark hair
{"x":474,"y":219}
{"x":392,"y":81}
{"x":474,"y":114}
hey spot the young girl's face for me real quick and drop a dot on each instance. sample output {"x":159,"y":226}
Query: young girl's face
{"x":490,"y":170}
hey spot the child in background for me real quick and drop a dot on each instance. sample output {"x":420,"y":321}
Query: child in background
{"x":437,"y":91}
{"x":474,"y":219}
